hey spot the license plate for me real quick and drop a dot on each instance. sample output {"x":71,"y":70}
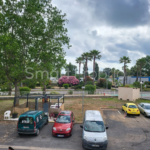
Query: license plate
{"x":60,"y":135}
{"x":25,"y":127}
{"x":95,"y":145}
{"x":133,"y":112}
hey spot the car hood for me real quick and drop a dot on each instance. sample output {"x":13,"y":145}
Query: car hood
{"x":62,"y":125}
{"x":95,"y":136}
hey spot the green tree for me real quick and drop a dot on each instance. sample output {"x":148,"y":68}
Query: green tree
{"x":86,"y":56}
{"x":32,"y":34}
{"x":95,"y":54}
{"x":79,"y":61}
{"x":113,"y":73}
{"x":141,"y":63}
{"x":124,"y":60}
{"x":97,"y":70}
{"x":71,"y":69}
{"x":146,"y":67}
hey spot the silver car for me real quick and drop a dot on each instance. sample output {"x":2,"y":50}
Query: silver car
{"x":144,"y":109}
{"x":94,"y":131}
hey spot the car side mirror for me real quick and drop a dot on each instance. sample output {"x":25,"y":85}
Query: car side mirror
{"x":54,"y":119}
{"x":81,"y":126}
{"x":107,"y":128}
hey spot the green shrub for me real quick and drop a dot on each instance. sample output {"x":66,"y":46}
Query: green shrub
{"x":89,"y":83}
{"x":24,"y":90}
{"x":70,"y":92}
{"x":78,"y":87}
{"x":101,"y":82}
{"x":54,"y":93}
{"x":147,"y":83}
{"x":66,"y":86}
{"x":48,"y":86}
{"x":137,"y":84}
{"x":90,"y":88}
{"x":31,"y":83}
{"x":147,"y":86}
{"x":108,"y":84}
{"x":37,"y":84}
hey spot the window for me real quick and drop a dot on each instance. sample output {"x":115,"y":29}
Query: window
{"x":63,"y":119}
{"x":41,"y":117}
{"x":26,"y":120}
{"x":37,"y":119}
{"x":132,"y":106}
{"x":147,"y":106}
{"x":94,"y":126}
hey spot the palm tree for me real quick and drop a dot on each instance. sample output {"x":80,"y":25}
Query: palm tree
{"x":140,"y":63}
{"x":124,"y":60}
{"x":79,"y":61}
{"x":95,"y":54}
{"x":86,"y":56}
{"x":126,"y":67}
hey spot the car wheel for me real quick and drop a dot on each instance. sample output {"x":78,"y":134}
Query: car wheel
{"x":37,"y":132}
{"x":83,"y":145}
{"x":46,"y":122}
{"x":145,"y":114}
{"x":19,"y":134}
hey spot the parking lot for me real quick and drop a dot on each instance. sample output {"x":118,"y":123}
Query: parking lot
{"x":124,"y":133}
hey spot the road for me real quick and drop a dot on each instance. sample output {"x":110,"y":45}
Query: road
{"x":124,"y":133}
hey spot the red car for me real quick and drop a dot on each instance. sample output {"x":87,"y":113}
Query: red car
{"x":63,"y":124}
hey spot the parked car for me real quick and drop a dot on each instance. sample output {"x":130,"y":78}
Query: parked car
{"x":94,"y":131}
{"x":63,"y":125}
{"x":130,"y":108}
{"x":144,"y":109}
{"x":31,"y":122}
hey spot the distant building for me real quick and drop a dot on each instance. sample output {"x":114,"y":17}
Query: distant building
{"x":132,"y":79}
{"x":54,"y":79}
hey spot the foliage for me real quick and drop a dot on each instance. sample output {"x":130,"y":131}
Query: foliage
{"x":90,"y":88}
{"x":48,"y":87}
{"x":68,"y":80}
{"x":108,"y":84}
{"x":88,"y":78}
{"x":70,"y":92}
{"x":89,"y":83}
{"x":101,"y":82}
{"x":146,"y":67}
{"x":66,"y":86}
{"x":71,"y":69}
{"x":24,"y":90}
{"x":78,"y":87}
{"x":96,"y":71}
{"x":147,"y":82}
{"x":54,"y":93}
{"x":31,"y":83}
{"x":138,"y":85}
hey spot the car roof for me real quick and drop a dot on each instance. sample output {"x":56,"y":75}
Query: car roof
{"x":93,"y":115}
{"x":145,"y":103}
{"x":66,"y":112}
{"x":131,"y":104}
{"x":31,"y":112}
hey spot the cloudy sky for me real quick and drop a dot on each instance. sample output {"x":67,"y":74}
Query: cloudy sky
{"x":115,"y":27}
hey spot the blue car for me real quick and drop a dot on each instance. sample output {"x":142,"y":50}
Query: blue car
{"x":31,"y":122}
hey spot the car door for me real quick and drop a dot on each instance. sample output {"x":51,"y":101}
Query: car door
{"x":41,"y":120}
{"x":139,"y":106}
{"x":125,"y":107}
{"x":38,"y":122}
{"x":142,"y":108}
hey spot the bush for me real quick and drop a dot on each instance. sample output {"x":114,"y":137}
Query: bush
{"x":88,"y":78}
{"x":37,"y":84}
{"x":147,"y":83}
{"x":24,"y":90}
{"x":70,"y":92}
{"x":78,"y":87}
{"x":54,"y":93}
{"x":89,"y":83}
{"x":90,"y":88}
{"x":108,"y":84}
{"x":49,"y":82}
{"x":71,"y":80}
{"x":101,"y":82}
{"x":48,"y":86}
{"x":138,"y":85}
{"x":66,"y":86}
{"x":31,"y":83}
{"x":147,"y":86}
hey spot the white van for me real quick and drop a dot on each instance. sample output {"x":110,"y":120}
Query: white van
{"x":94,"y":131}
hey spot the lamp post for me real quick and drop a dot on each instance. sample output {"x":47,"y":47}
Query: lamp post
{"x":83,"y":87}
{"x":141,"y":87}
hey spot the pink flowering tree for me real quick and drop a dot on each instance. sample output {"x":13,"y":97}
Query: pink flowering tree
{"x":68,"y":80}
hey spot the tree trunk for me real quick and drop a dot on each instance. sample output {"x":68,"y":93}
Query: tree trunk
{"x":44,"y":88}
{"x":140,"y":73}
{"x":137,"y":75}
{"x":79,"y":71}
{"x":10,"y":88}
{"x":93,"y":70}
{"x":17,"y":93}
{"x":124,"y":76}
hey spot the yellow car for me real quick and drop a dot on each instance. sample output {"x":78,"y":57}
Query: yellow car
{"x":130,"y":108}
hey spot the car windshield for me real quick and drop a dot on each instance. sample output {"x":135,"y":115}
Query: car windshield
{"x":63,"y":119}
{"x":94,"y":126}
{"x":132,"y":106}
{"x":26,"y":120}
{"x":147,"y":106}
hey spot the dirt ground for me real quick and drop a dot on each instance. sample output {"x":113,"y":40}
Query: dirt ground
{"x":75,"y":105}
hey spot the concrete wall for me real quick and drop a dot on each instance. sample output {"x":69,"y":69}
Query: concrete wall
{"x":130,"y":94}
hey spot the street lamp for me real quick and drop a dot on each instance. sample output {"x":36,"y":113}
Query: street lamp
{"x":141,"y":87}
{"x":83,"y":87}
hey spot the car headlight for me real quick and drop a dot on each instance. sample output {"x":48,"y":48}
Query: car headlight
{"x":68,"y":129}
{"x":54,"y":128}
{"x":105,"y":138}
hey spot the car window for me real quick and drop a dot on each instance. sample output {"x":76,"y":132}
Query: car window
{"x":26,"y":120}
{"x":63,"y":119}
{"x":147,"y":106}
{"x":132,"y":106}
{"x":94,"y":126}
{"x":40,"y":116}
{"x":142,"y":105}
